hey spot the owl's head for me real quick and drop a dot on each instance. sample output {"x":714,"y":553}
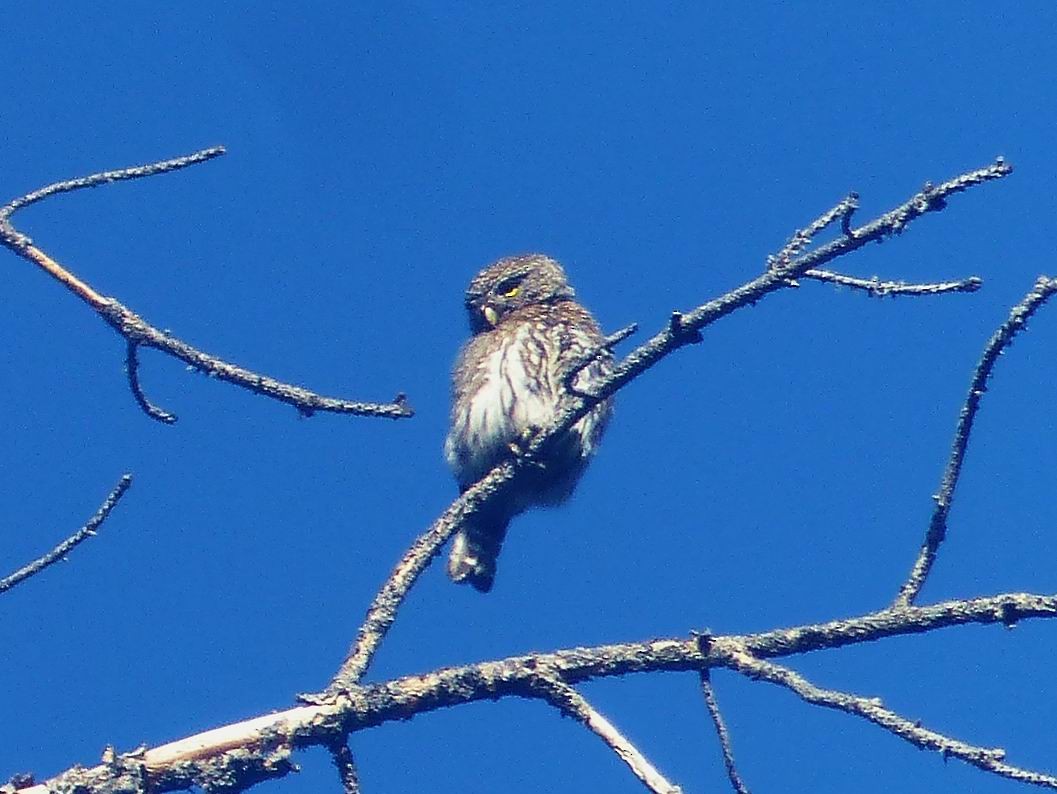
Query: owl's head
{"x":512,"y":283}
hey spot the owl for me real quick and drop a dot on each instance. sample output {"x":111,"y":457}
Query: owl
{"x":527,"y":328}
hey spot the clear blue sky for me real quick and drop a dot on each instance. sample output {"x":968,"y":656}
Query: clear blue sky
{"x":778,"y":473}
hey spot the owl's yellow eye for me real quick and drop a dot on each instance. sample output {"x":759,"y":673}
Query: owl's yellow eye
{"x":512,"y":292}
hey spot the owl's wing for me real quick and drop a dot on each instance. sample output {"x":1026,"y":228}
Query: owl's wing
{"x":575,"y":334}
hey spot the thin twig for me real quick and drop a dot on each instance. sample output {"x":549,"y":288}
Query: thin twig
{"x":722,"y":733}
{"x":1001,"y":339}
{"x":879,"y":289}
{"x":132,"y":370}
{"x":989,"y":759}
{"x":571,"y":703}
{"x":802,"y":238}
{"x":346,"y":766}
{"x":617,"y":337}
{"x":604,"y":351}
{"x":676,"y":334}
{"x":64,"y":548}
{"x":138,"y":332}
{"x":106,"y":177}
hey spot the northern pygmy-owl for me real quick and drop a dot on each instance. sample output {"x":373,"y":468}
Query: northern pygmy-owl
{"x":527,"y":328}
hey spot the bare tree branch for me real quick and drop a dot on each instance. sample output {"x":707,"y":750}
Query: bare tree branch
{"x":132,"y":370}
{"x":930,"y":199}
{"x":682,"y":329}
{"x":843,"y":211}
{"x":802,"y":238}
{"x":346,"y":766}
{"x":722,"y":733}
{"x":262,"y":744}
{"x":1001,"y":339}
{"x":241,"y":754}
{"x":990,"y":759}
{"x":571,"y":703}
{"x":879,"y":289}
{"x":383,"y":609}
{"x":105,"y":178}
{"x":64,"y":548}
{"x":140,"y":333}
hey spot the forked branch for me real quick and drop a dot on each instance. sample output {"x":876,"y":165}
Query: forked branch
{"x":989,"y":759}
{"x":252,"y":750}
{"x":140,"y":333}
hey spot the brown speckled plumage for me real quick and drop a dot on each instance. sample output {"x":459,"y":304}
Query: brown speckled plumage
{"x":527,"y":327}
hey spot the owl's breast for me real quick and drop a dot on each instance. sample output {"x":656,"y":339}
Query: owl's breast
{"x":504,"y":388}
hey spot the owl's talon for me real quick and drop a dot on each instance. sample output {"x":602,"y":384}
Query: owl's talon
{"x":520,"y":447}
{"x":590,"y":398}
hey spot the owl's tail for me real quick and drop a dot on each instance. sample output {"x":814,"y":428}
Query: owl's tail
{"x":473,"y":554}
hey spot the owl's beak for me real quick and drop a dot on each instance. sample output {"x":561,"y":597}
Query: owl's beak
{"x":491,"y":315}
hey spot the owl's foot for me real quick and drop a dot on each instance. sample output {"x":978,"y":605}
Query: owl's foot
{"x":519,"y":448}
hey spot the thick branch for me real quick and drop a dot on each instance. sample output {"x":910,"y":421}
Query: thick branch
{"x":680,"y":330}
{"x":138,"y":332}
{"x":986,"y":758}
{"x":1001,"y":339}
{"x":571,"y":703}
{"x":64,"y":548}
{"x":250,"y":744}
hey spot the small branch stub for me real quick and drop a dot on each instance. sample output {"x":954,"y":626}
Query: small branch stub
{"x":686,"y":336}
